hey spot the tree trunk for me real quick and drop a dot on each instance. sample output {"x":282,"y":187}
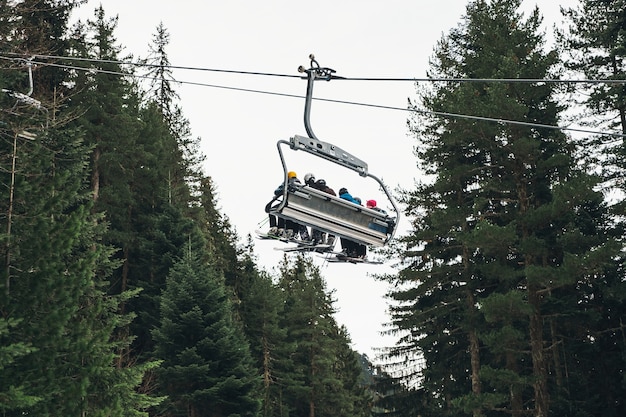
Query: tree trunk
{"x":556,"y":357}
{"x":7,"y":282}
{"x":540,"y":384}
{"x":475,"y":364}
{"x":95,"y":175}
{"x":474,"y":347}
{"x":474,"y":351}
{"x":620,"y":109}
{"x":540,"y":376}
{"x":516,"y":401}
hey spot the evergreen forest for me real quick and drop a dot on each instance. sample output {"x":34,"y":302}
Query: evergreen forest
{"x":125,"y":291}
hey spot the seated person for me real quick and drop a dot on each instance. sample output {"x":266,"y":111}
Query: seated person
{"x":351,"y":248}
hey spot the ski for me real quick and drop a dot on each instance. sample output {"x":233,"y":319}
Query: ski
{"x":265,"y":236}
{"x":307,"y":248}
{"x":341,"y":258}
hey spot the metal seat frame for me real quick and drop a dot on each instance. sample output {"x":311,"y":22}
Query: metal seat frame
{"x":322,"y":211}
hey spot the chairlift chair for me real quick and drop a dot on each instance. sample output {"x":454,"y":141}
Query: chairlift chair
{"x":26,"y":99}
{"x":322,"y":211}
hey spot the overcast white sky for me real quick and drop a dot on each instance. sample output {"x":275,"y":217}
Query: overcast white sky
{"x":239,"y":130}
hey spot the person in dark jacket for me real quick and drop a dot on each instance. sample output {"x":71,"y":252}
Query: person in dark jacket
{"x":321,"y":185}
{"x":351,"y":248}
{"x":317,"y":235}
{"x":343,"y":193}
{"x":280,"y":227}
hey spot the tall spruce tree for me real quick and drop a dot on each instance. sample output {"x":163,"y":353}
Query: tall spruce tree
{"x":132,"y":158}
{"x":164,"y":195}
{"x":159,"y":227}
{"x":185,"y":176}
{"x":161,"y":89}
{"x":505,"y":231}
{"x":54,"y":299}
{"x":594,"y":46}
{"x":269,"y":345}
{"x":56,"y":292}
{"x":220,"y":235}
{"x":328,"y":376}
{"x":260,"y":305}
{"x":207,"y":368}
{"x":108,"y":101}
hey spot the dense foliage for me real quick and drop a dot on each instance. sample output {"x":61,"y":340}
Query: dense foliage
{"x":511,"y":299}
{"x":125,"y":291}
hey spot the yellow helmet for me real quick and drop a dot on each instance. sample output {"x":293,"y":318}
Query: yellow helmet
{"x":291,"y":174}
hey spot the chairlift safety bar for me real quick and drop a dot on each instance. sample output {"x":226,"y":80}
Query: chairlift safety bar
{"x":330,"y":152}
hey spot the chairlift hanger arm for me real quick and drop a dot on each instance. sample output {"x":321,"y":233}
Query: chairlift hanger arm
{"x":26,"y":97}
{"x":323,"y":149}
{"x":313,"y":74}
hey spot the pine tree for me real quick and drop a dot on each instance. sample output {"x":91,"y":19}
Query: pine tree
{"x":161,"y":90}
{"x":55,"y":290}
{"x":594,"y":45}
{"x":353,"y":397}
{"x":328,"y":376}
{"x":133,"y":152}
{"x":505,"y":231}
{"x":207,"y":368}
{"x":160,"y":230}
{"x":12,"y":395}
{"x":164,"y":203}
{"x":261,"y":310}
{"x":109,"y":104}
{"x":186,"y":175}
{"x":221,"y":238}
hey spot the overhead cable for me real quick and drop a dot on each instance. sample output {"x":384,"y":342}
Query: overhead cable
{"x":427,"y":112}
{"x":399,"y":79}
